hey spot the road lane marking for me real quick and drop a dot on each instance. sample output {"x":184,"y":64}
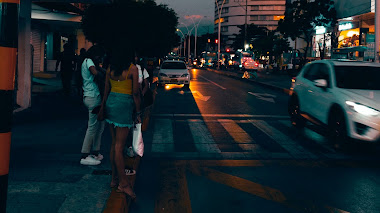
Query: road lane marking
{"x":212,"y":82}
{"x":222,"y":115}
{"x":202,"y":137}
{"x":237,"y":133}
{"x":261,"y":191}
{"x":163,"y":136}
{"x":264,"y":96}
{"x":173,"y":194}
{"x":196,"y":94}
{"x":296,"y":150}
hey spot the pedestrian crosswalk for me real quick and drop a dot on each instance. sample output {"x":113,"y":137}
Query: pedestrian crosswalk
{"x":231,"y":137}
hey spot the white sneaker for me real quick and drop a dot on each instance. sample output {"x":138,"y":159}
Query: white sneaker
{"x":98,"y":157}
{"x":89,"y":161}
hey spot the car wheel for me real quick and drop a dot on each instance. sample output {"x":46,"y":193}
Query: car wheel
{"x":186,"y":86}
{"x":338,"y":130}
{"x":295,"y":113}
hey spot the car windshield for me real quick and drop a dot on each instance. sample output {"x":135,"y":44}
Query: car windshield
{"x":358,"y":77}
{"x":173,"y":65}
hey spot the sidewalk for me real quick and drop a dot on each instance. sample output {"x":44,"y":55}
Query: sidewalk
{"x":278,"y":81}
{"x":45,"y":173}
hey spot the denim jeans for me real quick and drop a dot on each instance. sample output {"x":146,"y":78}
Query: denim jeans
{"x":95,"y":128}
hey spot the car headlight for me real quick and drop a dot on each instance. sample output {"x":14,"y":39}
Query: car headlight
{"x":185,"y":75}
{"x":362,"y":109}
{"x":163,"y":74}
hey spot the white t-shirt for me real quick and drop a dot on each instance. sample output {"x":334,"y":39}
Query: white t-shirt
{"x":146,"y":74}
{"x":90,"y":89}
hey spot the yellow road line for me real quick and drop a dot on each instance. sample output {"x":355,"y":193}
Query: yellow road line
{"x":259,"y":190}
{"x":173,"y":195}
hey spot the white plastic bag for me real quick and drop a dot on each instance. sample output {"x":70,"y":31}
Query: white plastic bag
{"x":137,"y":142}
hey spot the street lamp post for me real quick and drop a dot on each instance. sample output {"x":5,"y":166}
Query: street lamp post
{"x":183,"y":37}
{"x":196,"y":33}
{"x":246,"y":22}
{"x":219,"y":26}
{"x":189,"y":34}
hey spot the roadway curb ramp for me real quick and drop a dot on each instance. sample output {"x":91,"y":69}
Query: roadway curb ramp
{"x":120,"y":202}
{"x":236,"y":76}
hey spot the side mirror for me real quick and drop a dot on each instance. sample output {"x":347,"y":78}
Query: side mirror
{"x":321,"y":83}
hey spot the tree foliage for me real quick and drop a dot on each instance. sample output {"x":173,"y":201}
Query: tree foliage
{"x":302,"y":16}
{"x":125,"y":27}
{"x":263,"y":41}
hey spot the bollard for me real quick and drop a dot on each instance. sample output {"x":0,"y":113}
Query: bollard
{"x":8,"y":58}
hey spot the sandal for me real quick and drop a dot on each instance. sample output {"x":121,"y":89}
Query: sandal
{"x":129,"y":172}
{"x":127,"y":190}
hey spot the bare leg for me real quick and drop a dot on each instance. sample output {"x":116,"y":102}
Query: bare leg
{"x":114,"y":181}
{"x":124,"y":185}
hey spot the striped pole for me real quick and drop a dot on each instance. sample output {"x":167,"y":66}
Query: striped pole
{"x":8,"y":57}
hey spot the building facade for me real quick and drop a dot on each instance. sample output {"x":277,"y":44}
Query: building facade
{"x":265,"y":13}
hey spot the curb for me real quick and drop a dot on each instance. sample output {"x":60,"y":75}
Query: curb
{"x":284,"y":90}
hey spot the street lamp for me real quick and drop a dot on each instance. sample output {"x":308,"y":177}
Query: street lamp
{"x":189,"y":34}
{"x":245,"y":23}
{"x":184,"y":45}
{"x":219,"y":26}
{"x":196,"y":32}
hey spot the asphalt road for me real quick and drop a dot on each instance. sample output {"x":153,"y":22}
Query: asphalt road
{"x":227,"y":145}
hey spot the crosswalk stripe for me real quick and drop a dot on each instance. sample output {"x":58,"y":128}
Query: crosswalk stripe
{"x":316,"y":137}
{"x":236,"y":132}
{"x":163,"y":136}
{"x":296,"y":150}
{"x":202,"y":137}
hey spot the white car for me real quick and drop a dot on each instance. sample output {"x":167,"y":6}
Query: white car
{"x":174,"y":72}
{"x":341,"y":95}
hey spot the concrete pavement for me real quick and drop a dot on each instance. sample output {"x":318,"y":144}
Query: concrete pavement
{"x":45,"y":173}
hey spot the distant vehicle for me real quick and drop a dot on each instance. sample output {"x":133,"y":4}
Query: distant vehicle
{"x":208,"y":59}
{"x":343,"y":96}
{"x":245,"y":60}
{"x":173,"y":72}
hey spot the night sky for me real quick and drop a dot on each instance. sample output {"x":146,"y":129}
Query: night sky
{"x":193,"y":7}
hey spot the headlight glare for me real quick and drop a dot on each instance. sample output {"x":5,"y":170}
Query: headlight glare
{"x":362,"y":109}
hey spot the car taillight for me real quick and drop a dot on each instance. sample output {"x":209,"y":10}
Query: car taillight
{"x":256,"y":64}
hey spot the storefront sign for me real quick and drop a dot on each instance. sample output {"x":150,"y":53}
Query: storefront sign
{"x":320,"y":30}
{"x":345,"y":26}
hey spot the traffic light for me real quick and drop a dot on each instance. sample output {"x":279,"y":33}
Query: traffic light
{"x":228,"y":50}
{"x":216,"y":41}
{"x":208,"y":40}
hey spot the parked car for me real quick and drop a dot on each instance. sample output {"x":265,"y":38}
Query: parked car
{"x":343,"y":96}
{"x":173,"y":72}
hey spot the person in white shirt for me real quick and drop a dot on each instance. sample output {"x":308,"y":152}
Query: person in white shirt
{"x":143,"y":75}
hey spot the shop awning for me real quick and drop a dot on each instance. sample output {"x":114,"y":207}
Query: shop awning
{"x":53,"y":15}
{"x":351,"y":49}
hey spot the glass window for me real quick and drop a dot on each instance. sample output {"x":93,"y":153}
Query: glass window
{"x":357,"y":77}
{"x":317,"y":71}
{"x":173,"y":65}
{"x":224,"y":29}
{"x":256,"y":7}
{"x":254,"y":18}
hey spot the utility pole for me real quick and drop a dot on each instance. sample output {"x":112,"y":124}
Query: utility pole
{"x":377,"y":30}
{"x":9,"y":15}
{"x":245,"y":26}
{"x":219,"y":26}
